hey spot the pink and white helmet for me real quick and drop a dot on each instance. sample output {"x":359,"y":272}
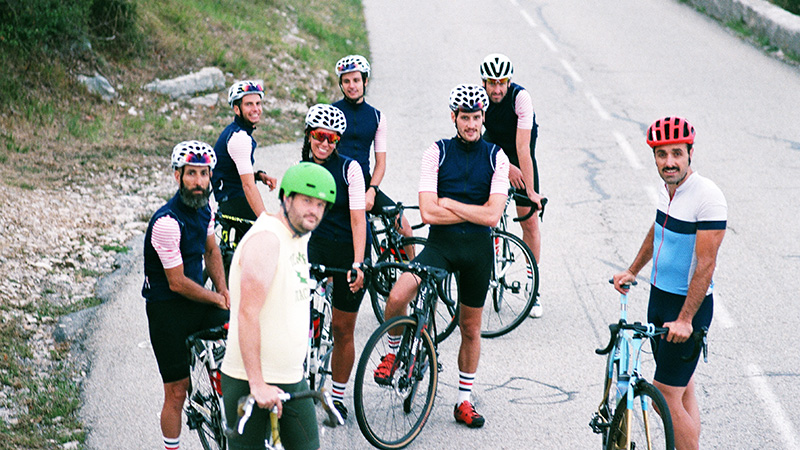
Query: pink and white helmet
{"x":353,"y":63}
{"x":193,"y":153}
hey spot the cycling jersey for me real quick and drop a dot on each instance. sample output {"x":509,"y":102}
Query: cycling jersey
{"x":698,"y":204}
{"x":365,"y":124}
{"x":465,"y":172}
{"x":335,"y":226}
{"x":503,"y":119}
{"x":233,"y":159}
{"x":176,"y":235}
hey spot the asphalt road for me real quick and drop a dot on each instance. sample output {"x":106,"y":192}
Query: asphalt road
{"x":599,"y":74}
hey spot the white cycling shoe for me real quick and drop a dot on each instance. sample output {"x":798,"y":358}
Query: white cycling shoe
{"x":536,"y":311}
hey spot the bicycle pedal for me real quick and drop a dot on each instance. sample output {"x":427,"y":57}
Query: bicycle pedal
{"x":597,"y":424}
{"x":439,"y":367}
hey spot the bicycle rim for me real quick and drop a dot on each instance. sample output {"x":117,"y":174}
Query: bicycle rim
{"x":513,"y":285}
{"x":391,"y":417}
{"x":649,"y":429}
{"x":381,"y":282}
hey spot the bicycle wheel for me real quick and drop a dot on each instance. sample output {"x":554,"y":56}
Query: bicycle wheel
{"x":650,"y":422}
{"x":610,"y":387}
{"x":204,"y":407}
{"x":381,"y":282}
{"x":391,"y":416}
{"x":512,"y":287}
{"x":323,"y":343}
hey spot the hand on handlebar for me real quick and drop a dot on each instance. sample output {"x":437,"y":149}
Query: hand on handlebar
{"x":623,"y":281}
{"x":267,"y":397}
{"x":679,"y":331}
{"x":355,"y":278}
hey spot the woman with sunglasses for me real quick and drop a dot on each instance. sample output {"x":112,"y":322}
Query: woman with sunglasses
{"x":341,"y":238}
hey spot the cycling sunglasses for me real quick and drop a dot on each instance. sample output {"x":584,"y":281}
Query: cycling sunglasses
{"x":497,"y":80}
{"x":325,"y":135}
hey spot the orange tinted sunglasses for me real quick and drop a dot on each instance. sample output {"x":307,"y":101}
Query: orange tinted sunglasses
{"x":324,"y":135}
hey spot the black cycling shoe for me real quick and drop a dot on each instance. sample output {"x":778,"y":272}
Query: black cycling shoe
{"x":341,"y":408}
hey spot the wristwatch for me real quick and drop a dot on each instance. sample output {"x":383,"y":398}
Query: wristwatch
{"x":357,"y":265}
{"x":377,"y":189}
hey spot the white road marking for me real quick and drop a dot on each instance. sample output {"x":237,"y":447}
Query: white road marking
{"x":548,"y":42}
{"x":773,"y":407}
{"x":572,"y":73}
{"x":598,"y":107}
{"x":627,"y":150}
{"x":528,"y":18}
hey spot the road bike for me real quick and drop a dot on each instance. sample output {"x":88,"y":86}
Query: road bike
{"x":228,"y":238}
{"x":247,"y":403}
{"x":390,"y":246}
{"x":203,"y":406}
{"x":320,"y":349}
{"x":392,"y":412}
{"x":633,"y":414}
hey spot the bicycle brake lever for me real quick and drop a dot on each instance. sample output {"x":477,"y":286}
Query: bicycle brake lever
{"x":245,"y":409}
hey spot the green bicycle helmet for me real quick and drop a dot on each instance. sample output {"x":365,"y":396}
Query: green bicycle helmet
{"x":309,"y":179}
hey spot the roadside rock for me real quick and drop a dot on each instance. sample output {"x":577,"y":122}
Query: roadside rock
{"x":207,"y":79}
{"x":99,"y":85}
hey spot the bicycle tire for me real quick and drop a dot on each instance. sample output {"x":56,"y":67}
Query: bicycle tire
{"x":391,"y":417}
{"x":207,"y":419}
{"x":513,"y":285}
{"x":316,"y":379}
{"x":659,"y":424}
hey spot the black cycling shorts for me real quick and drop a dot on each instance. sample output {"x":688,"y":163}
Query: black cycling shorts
{"x":470,"y":254}
{"x":170,"y":323}
{"x":338,"y":255}
{"x":381,"y":200}
{"x":298,"y":423}
{"x":665,"y":307}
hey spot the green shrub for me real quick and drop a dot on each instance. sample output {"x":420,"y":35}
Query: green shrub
{"x":793,"y":6}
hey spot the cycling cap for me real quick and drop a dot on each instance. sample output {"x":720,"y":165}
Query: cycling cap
{"x":309,"y":179}
{"x":496,"y":66}
{"x":352,"y":63}
{"x":193,"y":153}
{"x":326,"y":116}
{"x":468,"y":98}
{"x":242,"y":88}
{"x":670,"y":130}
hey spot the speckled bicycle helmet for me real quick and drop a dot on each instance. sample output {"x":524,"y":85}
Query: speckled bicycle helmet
{"x":670,"y":130}
{"x":242,"y":88}
{"x":353,"y":63}
{"x":193,"y":153}
{"x":326,"y":116}
{"x":468,"y":98}
{"x":496,"y":66}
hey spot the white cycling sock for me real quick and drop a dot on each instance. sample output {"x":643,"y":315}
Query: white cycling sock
{"x":465,"y":381}
{"x":393,"y":342}
{"x":172,"y":443}
{"x":337,"y":391}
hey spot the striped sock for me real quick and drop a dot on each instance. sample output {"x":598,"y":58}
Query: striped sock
{"x":394,"y":342}
{"x":465,"y":381}
{"x":172,"y":443}
{"x":337,"y":390}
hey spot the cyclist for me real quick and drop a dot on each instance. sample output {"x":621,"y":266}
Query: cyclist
{"x":341,"y":240}
{"x":234,"y":180}
{"x":511,"y":124}
{"x":683,"y":242}
{"x":268,"y":334}
{"x":179,"y":238}
{"x":462,"y":193}
{"x":366,"y":128}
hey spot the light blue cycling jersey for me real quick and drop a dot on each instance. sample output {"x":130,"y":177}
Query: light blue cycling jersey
{"x":698,"y":204}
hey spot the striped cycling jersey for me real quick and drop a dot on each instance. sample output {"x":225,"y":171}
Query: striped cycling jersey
{"x":698,"y":204}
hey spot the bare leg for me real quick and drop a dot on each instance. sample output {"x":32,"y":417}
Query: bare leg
{"x":174,"y":396}
{"x":685,"y":414}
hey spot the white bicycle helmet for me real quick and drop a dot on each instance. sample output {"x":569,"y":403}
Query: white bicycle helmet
{"x":326,"y":116}
{"x":193,"y":153}
{"x":468,"y":98}
{"x":496,"y":66}
{"x":353,"y":63}
{"x":242,"y":88}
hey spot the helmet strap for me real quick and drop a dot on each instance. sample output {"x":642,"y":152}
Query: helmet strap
{"x":297,"y":233}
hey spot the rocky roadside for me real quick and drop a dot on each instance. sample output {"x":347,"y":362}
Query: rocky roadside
{"x":55,"y":246}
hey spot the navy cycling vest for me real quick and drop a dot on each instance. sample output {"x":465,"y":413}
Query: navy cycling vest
{"x":335,"y":226}
{"x":362,"y":124}
{"x":465,"y":175}
{"x":193,"y":224}
{"x":225,"y":178}
{"x":501,"y":124}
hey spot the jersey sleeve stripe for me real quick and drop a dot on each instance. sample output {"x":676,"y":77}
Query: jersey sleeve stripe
{"x":166,"y":240}
{"x":429,"y":170}
{"x":240,"y":145}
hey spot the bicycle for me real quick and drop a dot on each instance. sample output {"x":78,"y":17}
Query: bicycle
{"x":618,"y":420}
{"x":247,"y":403}
{"x":203,"y":406}
{"x":394,"y":247}
{"x":320,"y":349}
{"x":226,"y":231}
{"x":391,"y":413}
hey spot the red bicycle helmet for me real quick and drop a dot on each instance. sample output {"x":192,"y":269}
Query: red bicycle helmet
{"x":670,"y":130}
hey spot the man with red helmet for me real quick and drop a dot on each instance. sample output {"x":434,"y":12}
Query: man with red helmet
{"x":682,"y":243}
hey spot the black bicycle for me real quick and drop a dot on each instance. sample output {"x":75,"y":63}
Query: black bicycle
{"x":228,"y":237}
{"x":391,"y":411}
